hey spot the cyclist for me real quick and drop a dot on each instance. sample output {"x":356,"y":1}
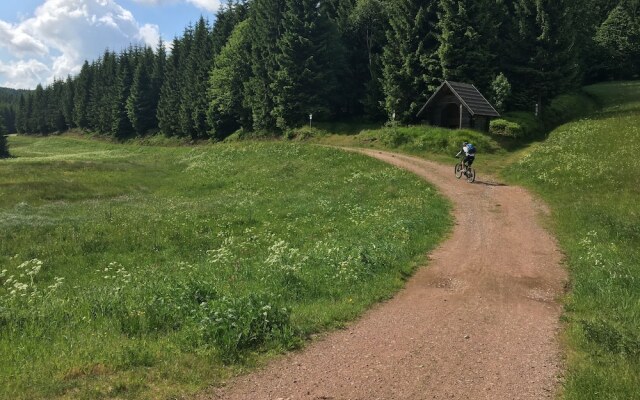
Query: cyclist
{"x":469,"y":151}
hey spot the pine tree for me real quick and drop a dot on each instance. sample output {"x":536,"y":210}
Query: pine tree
{"x":227,"y":111}
{"x":4,"y":146}
{"x":68,"y":93}
{"x":140,"y":103}
{"x":21,"y":115}
{"x":157,"y":79}
{"x":265,"y":30}
{"x":81,"y":97}
{"x":169,"y":101}
{"x":121,"y":125}
{"x":227,"y":18}
{"x":466,"y":41}
{"x":198,"y":70}
{"x":411,"y":70}
{"x":38,"y":110}
{"x":184,"y":110}
{"x":307,"y":64}
{"x":541,"y":61}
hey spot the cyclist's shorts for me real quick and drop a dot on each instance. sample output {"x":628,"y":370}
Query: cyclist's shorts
{"x":469,"y":159}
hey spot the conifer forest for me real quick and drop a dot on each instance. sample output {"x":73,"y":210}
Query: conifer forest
{"x":265,"y":65}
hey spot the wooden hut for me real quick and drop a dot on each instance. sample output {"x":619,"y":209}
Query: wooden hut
{"x":458,"y":105}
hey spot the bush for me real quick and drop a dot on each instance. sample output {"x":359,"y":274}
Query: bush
{"x":502,"y":127}
{"x":517,"y":124}
{"x":567,"y":107}
{"x":303,"y":133}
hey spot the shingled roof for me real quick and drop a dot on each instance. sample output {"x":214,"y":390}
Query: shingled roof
{"x":469,"y":96}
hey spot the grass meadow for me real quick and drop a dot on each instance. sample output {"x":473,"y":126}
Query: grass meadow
{"x":151,"y":272}
{"x":589,"y":172}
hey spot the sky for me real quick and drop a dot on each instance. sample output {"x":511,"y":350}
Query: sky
{"x":45,"y":39}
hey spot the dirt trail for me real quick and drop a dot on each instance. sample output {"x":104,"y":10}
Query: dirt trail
{"x":480,"y":322}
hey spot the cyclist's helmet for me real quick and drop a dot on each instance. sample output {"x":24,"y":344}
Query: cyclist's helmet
{"x":465,"y":143}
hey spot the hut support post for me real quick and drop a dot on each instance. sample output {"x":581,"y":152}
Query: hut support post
{"x":460,"y":116}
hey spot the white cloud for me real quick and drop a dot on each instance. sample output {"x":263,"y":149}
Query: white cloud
{"x":23,"y":74}
{"x":209,"y":5}
{"x":62,"y":34}
{"x":150,"y":34}
{"x":18,"y":42}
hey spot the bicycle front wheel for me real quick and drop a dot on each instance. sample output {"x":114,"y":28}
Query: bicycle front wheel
{"x":458,"y":170}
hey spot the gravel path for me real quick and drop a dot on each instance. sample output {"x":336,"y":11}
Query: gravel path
{"x":480,"y":322}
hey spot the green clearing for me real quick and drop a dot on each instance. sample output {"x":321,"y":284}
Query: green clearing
{"x":151,"y":272}
{"x":588,"y":171}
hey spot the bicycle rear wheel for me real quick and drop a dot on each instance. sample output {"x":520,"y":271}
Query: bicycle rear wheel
{"x":458,"y":170}
{"x":471,"y":175}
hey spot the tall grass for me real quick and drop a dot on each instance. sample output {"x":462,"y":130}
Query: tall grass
{"x":146,"y":272}
{"x":588,"y":171}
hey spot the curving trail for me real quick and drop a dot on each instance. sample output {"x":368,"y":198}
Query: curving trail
{"x":481,"y":322}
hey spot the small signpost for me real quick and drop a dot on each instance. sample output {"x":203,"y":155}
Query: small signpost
{"x":310,"y":118}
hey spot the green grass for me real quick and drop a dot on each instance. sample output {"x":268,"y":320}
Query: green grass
{"x":588,"y":171}
{"x":151,"y":272}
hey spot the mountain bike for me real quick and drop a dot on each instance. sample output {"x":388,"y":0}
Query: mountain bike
{"x":467,"y":171}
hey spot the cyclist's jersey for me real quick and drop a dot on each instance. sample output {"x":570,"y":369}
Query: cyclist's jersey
{"x":466,"y":151}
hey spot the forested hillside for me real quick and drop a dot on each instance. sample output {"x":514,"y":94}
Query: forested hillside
{"x":9,"y":99}
{"x":265,"y":65}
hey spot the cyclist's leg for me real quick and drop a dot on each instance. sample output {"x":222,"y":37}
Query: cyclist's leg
{"x":469,"y":160}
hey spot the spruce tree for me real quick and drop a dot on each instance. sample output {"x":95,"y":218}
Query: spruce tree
{"x":307,"y":65}
{"x":4,"y":146}
{"x":199,"y":66}
{"x":121,"y":127}
{"x":81,"y":96}
{"x":226,"y":93}
{"x":21,"y":115}
{"x":468,"y":41}
{"x":186,"y":87}
{"x":169,"y":101}
{"x":541,"y":61}
{"x":368,"y":26}
{"x":140,"y":103}
{"x":67,"y":102}
{"x":157,"y":79}
{"x":265,"y":30}
{"x":39,"y":110}
{"x":411,"y":69}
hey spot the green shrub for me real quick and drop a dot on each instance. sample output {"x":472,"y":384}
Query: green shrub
{"x":502,"y":127}
{"x":303,"y":133}
{"x":526,"y":124}
{"x":567,"y":107}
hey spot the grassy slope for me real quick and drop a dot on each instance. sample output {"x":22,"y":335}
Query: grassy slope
{"x":588,"y":171}
{"x":170,"y":255}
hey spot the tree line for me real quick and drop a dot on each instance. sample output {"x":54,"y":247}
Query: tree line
{"x":265,"y":65}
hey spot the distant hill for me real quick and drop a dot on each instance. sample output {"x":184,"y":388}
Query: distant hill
{"x":11,"y":96}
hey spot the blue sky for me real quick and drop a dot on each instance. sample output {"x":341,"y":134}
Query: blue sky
{"x":45,"y":39}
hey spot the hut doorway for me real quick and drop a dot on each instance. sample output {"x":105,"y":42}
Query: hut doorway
{"x":450,"y":117}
